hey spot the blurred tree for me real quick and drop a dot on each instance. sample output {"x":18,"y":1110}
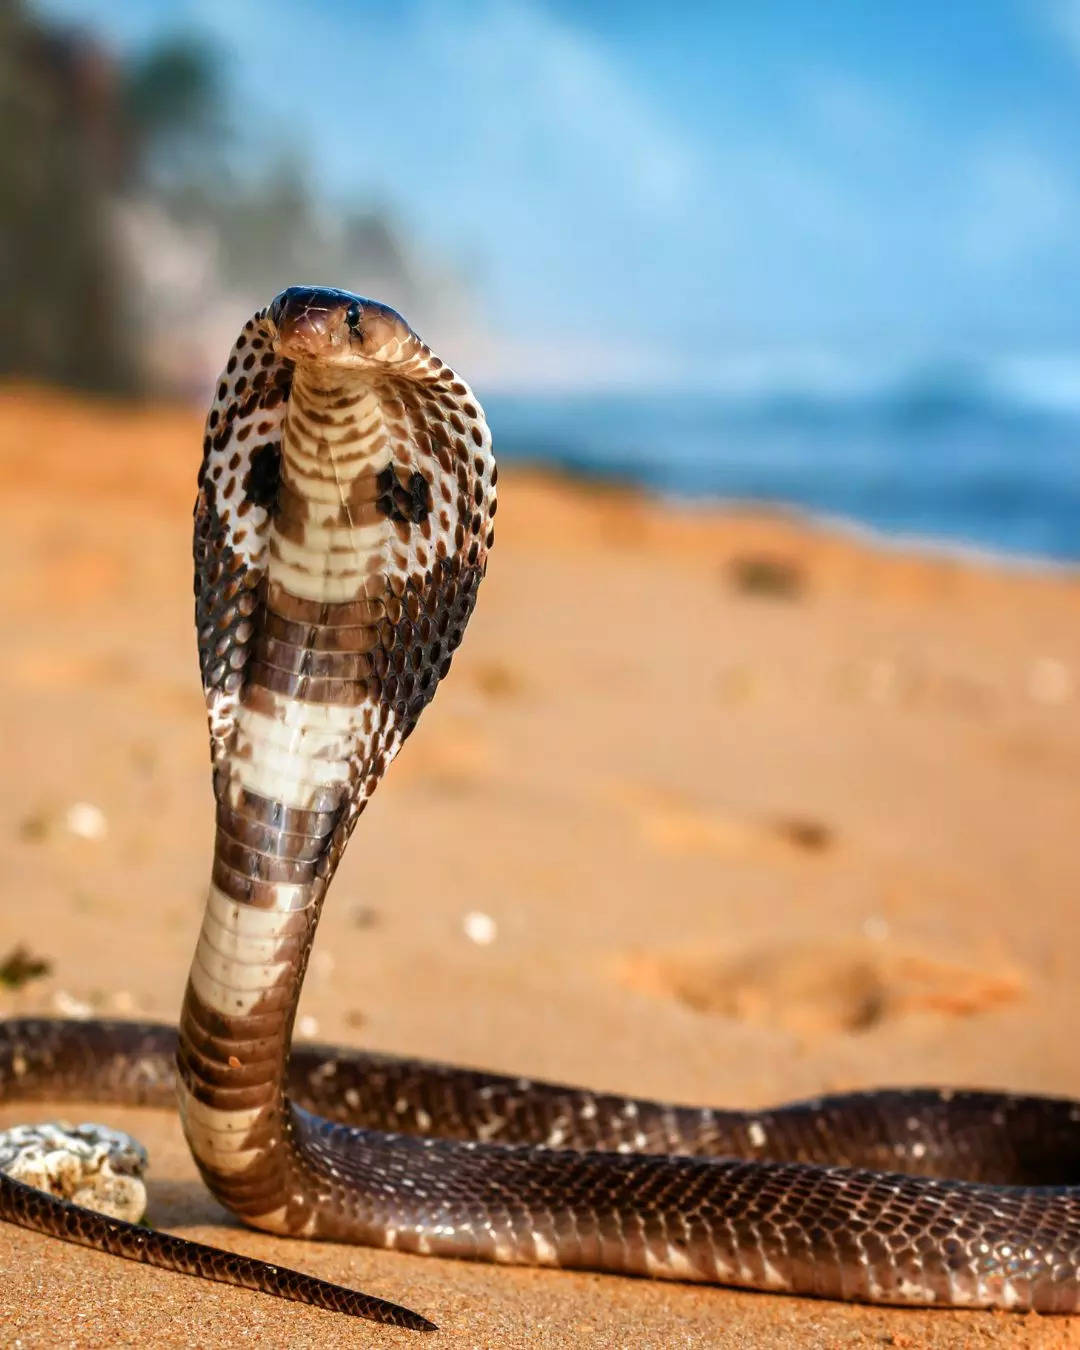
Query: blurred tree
{"x":172,"y":102}
{"x":264,"y":226}
{"x":134,"y":226}
{"x":60,"y":153}
{"x":76,"y":131}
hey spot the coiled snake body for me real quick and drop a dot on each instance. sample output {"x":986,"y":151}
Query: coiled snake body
{"x":342,"y":527}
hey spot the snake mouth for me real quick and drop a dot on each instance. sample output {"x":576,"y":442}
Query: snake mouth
{"x":321,"y":324}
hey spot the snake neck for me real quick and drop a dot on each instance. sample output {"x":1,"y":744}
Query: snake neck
{"x":322,"y":710}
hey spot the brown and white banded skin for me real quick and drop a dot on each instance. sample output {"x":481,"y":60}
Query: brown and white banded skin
{"x":341,"y":531}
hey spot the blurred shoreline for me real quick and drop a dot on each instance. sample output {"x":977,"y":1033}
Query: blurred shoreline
{"x":597,"y":474}
{"x":945,"y":458}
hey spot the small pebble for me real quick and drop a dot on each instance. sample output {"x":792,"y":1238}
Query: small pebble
{"x":68,"y":1006}
{"x":86,"y":821}
{"x":1049,"y":681}
{"x":875,"y":927}
{"x":307,"y":1027}
{"x":479,"y":928}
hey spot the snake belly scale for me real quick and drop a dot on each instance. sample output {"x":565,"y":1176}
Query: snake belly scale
{"x":343,"y":521}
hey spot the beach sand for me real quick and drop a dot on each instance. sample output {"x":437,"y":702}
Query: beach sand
{"x":753,"y":810}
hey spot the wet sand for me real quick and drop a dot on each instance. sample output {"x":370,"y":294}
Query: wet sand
{"x":751,"y":811}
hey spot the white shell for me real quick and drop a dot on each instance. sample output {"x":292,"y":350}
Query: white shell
{"x":88,"y":1164}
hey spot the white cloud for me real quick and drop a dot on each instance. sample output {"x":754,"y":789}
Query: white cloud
{"x":1020,"y":203}
{"x":1064,"y":20}
{"x":611,"y":220}
{"x":854,"y":112}
{"x":506,"y":137}
{"x":561,"y":100}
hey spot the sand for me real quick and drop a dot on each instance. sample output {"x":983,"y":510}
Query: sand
{"x":753,"y":811}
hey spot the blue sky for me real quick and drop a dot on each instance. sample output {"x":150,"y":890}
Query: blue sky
{"x":633,"y":186}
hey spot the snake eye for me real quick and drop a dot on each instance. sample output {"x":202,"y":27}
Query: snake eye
{"x":352,"y":317}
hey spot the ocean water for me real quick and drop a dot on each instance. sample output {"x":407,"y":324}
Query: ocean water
{"x":955,"y":457}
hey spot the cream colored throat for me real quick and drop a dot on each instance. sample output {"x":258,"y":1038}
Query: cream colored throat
{"x":333,"y":538}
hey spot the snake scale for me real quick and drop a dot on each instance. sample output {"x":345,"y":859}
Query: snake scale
{"x":342,"y":526}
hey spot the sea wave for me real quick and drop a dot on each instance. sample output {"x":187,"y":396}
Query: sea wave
{"x":982,"y":454}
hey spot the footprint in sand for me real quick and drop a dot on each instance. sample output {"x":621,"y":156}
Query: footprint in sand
{"x":498,"y":681}
{"x":818,"y":988}
{"x":60,"y":668}
{"x":673,"y":825}
{"x":455,"y":757}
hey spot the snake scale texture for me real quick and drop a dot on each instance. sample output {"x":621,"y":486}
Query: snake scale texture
{"x":342,"y":527}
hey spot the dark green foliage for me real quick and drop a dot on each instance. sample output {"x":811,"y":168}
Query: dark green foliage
{"x":77,"y":132}
{"x":86,"y":141}
{"x":19,"y":968}
{"x":61,"y":152}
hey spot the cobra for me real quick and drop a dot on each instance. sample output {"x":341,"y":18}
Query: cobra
{"x":342,"y":528}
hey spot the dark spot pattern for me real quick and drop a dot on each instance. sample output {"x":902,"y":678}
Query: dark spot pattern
{"x":424,"y":624}
{"x":406,"y":500}
{"x":226,"y":599}
{"x":264,"y":477}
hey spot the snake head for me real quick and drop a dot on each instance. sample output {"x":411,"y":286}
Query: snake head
{"x":317,"y":323}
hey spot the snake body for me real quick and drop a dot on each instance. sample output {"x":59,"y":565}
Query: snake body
{"x":342,"y":527}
